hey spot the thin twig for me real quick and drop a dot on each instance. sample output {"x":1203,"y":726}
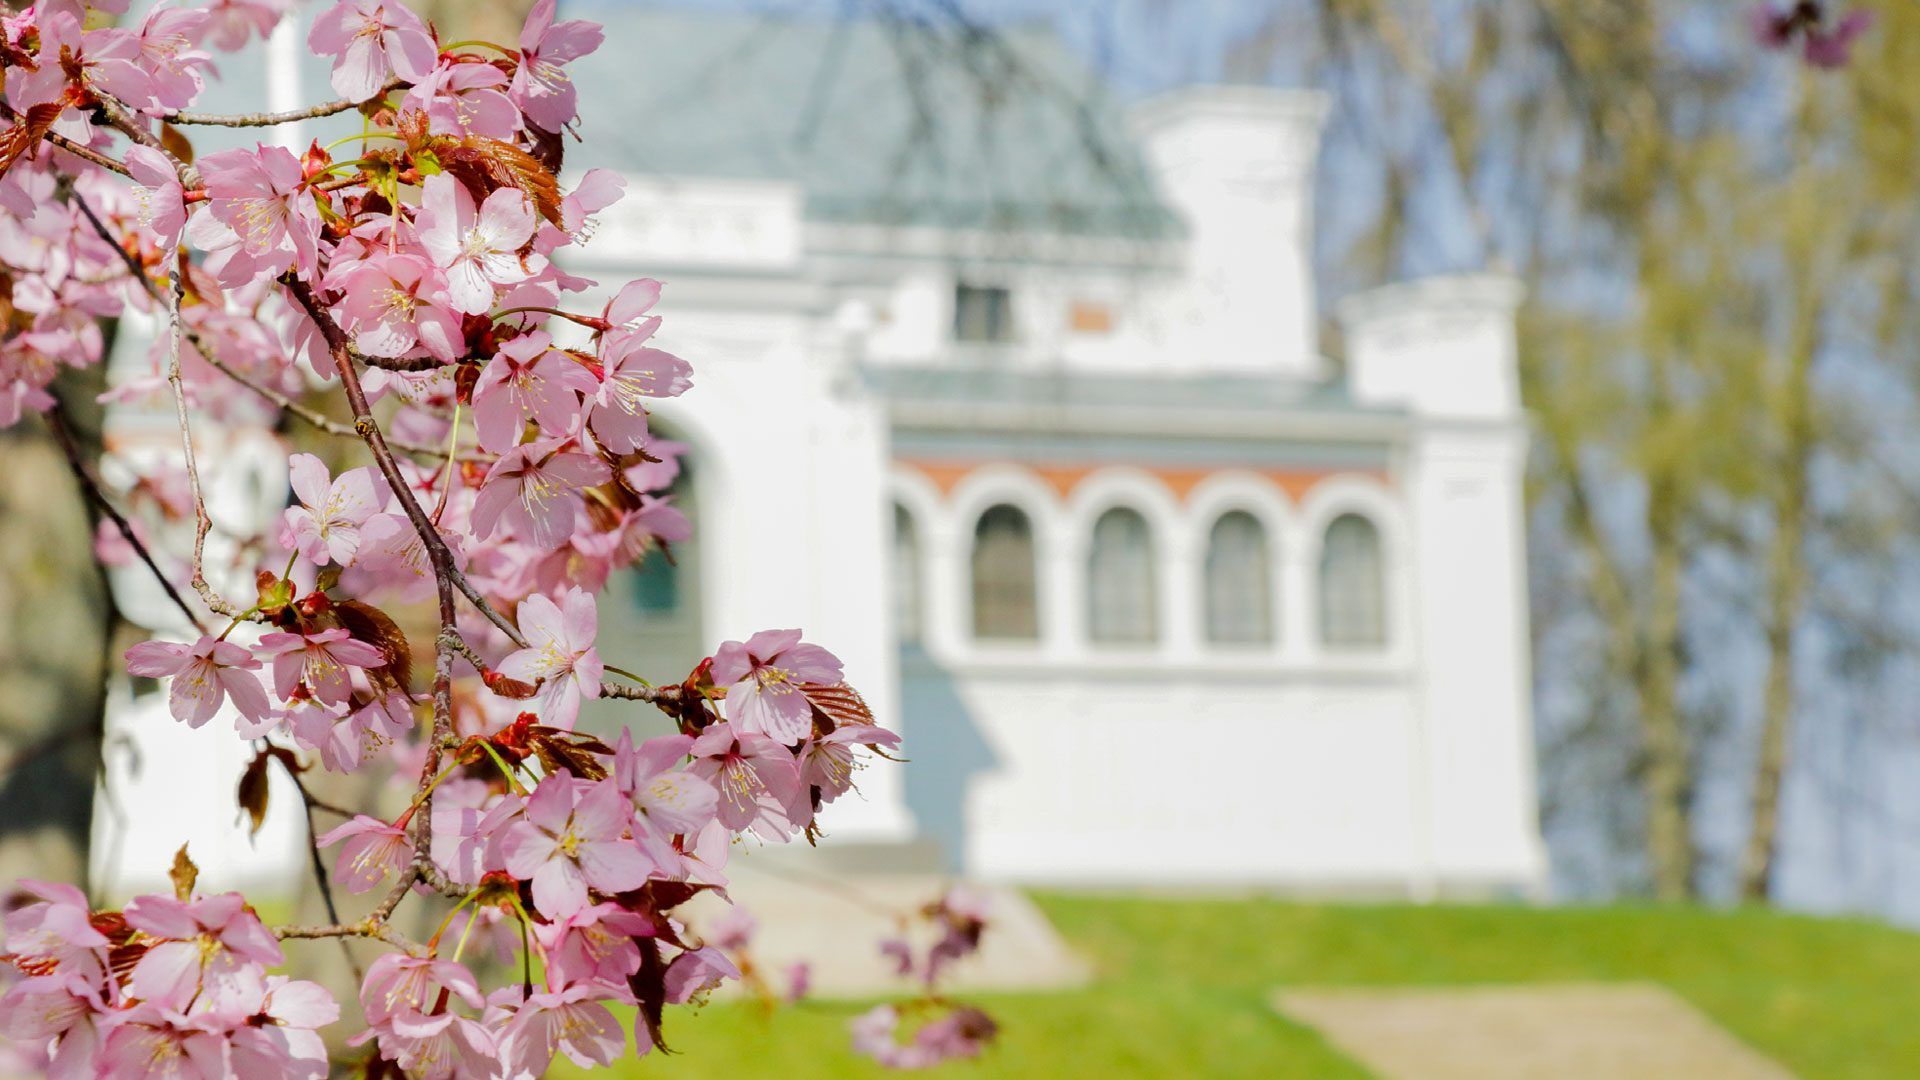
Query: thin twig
{"x":123,"y":121}
{"x":63,"y":434}
{"x":207,"y":353}
{"x":368,"y":928}
{"x":84,"y":153}
{"x":309,"y":803}
{"x":437,"y":551}
{"x":273,"y":119}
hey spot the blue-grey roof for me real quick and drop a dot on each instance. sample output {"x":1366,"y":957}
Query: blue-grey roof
{"x":875,"y":122}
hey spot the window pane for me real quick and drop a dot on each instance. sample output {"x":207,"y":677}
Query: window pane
{"x":1239,"y":584}
{"x":656,"y":584}
{"x":1353,"y":603}
{"x":982,"y":314}
{"x":906,"y":576}
{"x":1120,"y":588}
{"x":1003,"y":576}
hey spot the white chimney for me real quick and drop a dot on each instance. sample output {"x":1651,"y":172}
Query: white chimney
{"x":1237,"y":163}
{"x":1441,"y":346}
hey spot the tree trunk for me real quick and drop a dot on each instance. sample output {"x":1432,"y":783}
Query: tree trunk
{"x":1670,"y":854}
{"x":1786,"y":593}
{"x":56,"y":637}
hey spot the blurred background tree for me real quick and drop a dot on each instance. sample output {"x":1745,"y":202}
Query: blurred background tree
{"x":1718,"y":242}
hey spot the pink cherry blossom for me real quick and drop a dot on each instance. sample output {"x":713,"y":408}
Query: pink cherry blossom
{"x":828,"y":763}
{"x":324,"y":661}
{"x":405,"y":249}
{"x":400,"y":988}
{"x":463,"y":98}
{"x":1832,"y":48}
{"x":594,"y":944}
{"x":664,"y":793}
{"x":61,"y":1012}
{"x":528,"y":377}
{"x":572,"y":838}
{"x":534,"y":491}
{"x":634,"y":373}
{"x":258,"y":222}
{"x":55,"y":927}
{"x":211,"y":954}
{"x":151,"y":1042}
{"x":763,"y":677}
{"x":371,"y":41}
{"x":394,"y":304}
{"x":231,"y":22}
{"x":657,"y":474}
{"x":477,"y":251}
{"x":204,"y":675}
{"x":597,"y":190}
{"x":628,"y":308}
{"x":559,"y":654}
{"x":541,"y":86}
{"x":371,"y":851}
{"x":278,"y":1038}
{"x":159,"y":194}
{"x":570,"y":1021}
{"x":157,"y":69}
{"x":696,"y":973}
{"x":325,"y":527}
{"x":758,"y":782}
{"x":443,"y":1046}
{"x":962,"y":1033}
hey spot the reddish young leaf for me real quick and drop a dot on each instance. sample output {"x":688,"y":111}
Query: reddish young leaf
{"x":183,"y":874}
{"x":376,"y":627}
{"x":838,"y":704}
{"x":253,"y":792}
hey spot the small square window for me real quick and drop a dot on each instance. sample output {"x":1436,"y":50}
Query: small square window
{"x":982,"y":314}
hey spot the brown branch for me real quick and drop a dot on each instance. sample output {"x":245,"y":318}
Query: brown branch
{"x":202,"y":523}
{"x":7,"y":112}
{"x":655,"y":694}
{"x":399,"y":363}
{"x":309,"y":803}
{"x":123,"y":120}
{"x":273,"y":119}
{"x":62,"y":430}
{"x":366,"y":928}
{"x":437,"y":551}
{"x":194,"y":338}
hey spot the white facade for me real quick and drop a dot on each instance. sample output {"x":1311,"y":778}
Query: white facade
{"x":1368,"y":727}
{"x":1179,"y":377}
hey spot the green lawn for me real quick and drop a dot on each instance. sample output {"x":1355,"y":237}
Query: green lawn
{"x":1182,"y":987}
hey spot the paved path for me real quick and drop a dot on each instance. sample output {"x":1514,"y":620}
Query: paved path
{"x":835,"y":921}
{"x":1563,"y":1032}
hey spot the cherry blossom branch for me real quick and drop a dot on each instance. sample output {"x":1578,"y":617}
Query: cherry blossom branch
{"x":84,"y":153}
{"x":437,"y":551}
{"x":124,"y":121}
{"x":274,"y":119}
{"x":313,"y":418}
{"x":392,"y":363}
{"x":366,"y":928}
{"x":309,"y":804}
{"x":653,"y":694}
{"x":62,"y":429}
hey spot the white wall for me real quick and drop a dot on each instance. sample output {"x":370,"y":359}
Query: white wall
{"x":1445,"y":348}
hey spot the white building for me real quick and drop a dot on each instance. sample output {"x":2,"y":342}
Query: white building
{"x":1021,"y":408}
{"x":1024,"y":412}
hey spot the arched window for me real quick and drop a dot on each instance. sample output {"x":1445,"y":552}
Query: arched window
{"x":1004,"y":605}
{"x":1239,"y":581}
{"x":906,"y":577}
{"x":1353,"y":594}
{"x":1120,"y":590}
